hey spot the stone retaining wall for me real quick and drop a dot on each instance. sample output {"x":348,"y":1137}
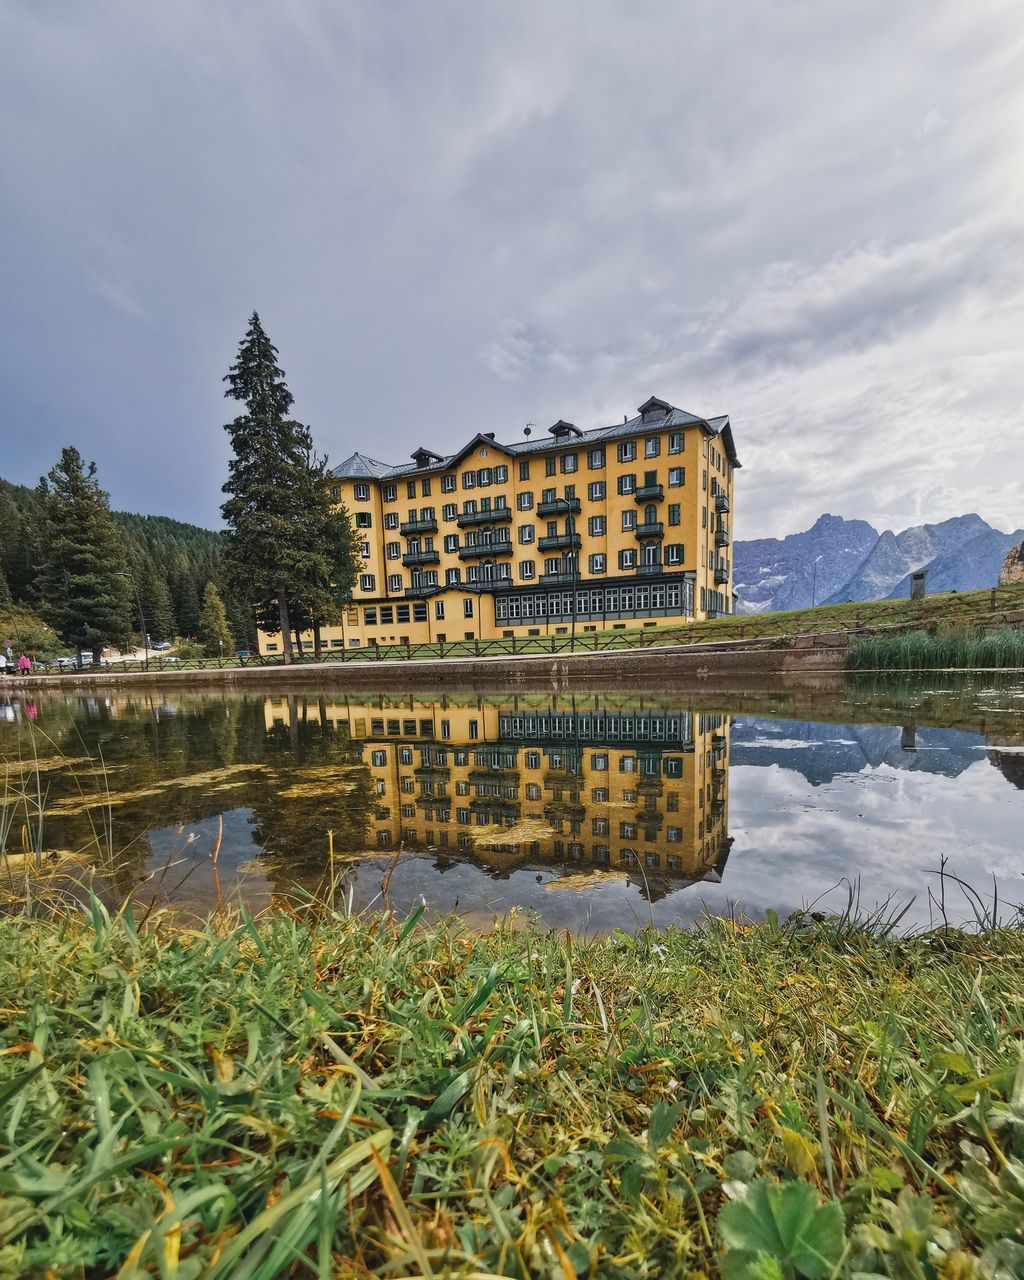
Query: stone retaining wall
{"x":724,"y":665}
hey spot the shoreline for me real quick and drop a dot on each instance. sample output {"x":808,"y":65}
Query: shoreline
{"x":712,"y":666}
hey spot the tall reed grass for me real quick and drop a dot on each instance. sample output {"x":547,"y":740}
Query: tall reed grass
{"x":337,"y":1096}
{"x":939,"y":650}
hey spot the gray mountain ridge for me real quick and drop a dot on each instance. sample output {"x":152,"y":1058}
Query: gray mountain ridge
{"x":839,"y":560}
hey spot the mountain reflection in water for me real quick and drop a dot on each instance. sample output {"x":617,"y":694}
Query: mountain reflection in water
{"x":596,"y":811}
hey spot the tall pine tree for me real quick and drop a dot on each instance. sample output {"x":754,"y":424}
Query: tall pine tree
{"x":84,"y":595}
{"x":276,"y":554}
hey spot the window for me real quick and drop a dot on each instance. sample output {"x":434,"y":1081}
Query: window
{"x":467,"y":607}
{"x":627,"y":484}
{"x":553,"y":564}
{"x":335,"y":492}
{"x":402,"y":613}
{"x":370,"y":617}
{"x":394,"y":582}
{"x":526,"y":569}
{"x":363,"y":520}
{"x":704,"y":517}
{"x":451,"y":542}
{"x":449,"y":511}
{"x":367,"y":582}
{"x":484,"y":477}
{"x":675,"y":442}
{"x":425,"y":486}
{"x":596,"y":490}
{"x":524,"y":501}
{"x":627,"y":558}
{"x":676,"y":477}
{"x":448,"y":484}
{"x":596,"y":526}
{"x":469,"y":479}
{"x":378,"y":759}
{"x":500,"y":475}
{"x":390,"y":493}
{"x":595,"y":458}
{"x":674,"y":835}
{"x":628,"y":520}
{"x":524,"y":469}
{"x":393,"y":551}
{"x":439,"y":609}
{"x":391,"y":520}
{"x":652,"y":446}
{"x":410,"y":489}
{"x":674,"y":513}
{"x":626,"y":451}
{"x":598,"y":563}
{"x":674,"y":553}
{"x":599,"y":826}
{"x":570,"y":461}
{"x":387,"y":617}
{"x":452,"y":577}
{"x":364,"y":550}
{"x":599,"y":761}
{"x":361,"y":492}
{"x":525,"y":534}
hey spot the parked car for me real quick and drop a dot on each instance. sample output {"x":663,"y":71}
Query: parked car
{"x":162,"y":647}
{"x":242,"y":653}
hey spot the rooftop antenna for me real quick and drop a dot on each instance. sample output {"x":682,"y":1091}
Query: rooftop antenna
{"x":528,"y":428}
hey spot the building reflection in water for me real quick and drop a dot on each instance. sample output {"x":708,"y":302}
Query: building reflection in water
{"x":604,"y":787}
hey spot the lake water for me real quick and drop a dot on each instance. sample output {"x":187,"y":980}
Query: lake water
{"x":594,"y":810}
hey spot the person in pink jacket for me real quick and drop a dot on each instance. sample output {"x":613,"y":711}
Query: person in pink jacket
{"x":24,"y":663}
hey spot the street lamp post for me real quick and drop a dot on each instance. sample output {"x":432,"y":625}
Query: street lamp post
{"x":138,"y":600}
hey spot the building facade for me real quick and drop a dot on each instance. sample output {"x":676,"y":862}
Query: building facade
{"x":607,"y":529}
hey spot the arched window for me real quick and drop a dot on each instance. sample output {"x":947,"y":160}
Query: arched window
{"x":650,"y":513}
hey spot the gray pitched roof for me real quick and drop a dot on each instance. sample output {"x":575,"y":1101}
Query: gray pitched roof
{"x":360,"y":467}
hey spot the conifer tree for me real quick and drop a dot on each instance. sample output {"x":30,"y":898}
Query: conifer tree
{"x":84,"y":595}
{"x":5,"y":591}
{"x":214,"y":632}
{"x":276,"y":554}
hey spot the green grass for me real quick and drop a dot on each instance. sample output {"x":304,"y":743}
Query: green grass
{"x":942,"y":649}
{"x":356,"y":1097}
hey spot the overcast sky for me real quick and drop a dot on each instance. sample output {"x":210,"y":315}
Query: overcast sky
{"x":461,"y":217}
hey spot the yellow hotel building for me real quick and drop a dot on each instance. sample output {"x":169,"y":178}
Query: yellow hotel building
{"x":611,"y":528}
{"x":602,"y":783}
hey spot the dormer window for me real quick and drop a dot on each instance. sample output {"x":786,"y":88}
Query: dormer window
{"x":563,"y":430}
{"x":654,"y":410}
{"x":425,"y":458}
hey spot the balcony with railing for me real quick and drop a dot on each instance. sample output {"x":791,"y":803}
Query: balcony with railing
{"x":651,"y":529}
{"x":480,"y":550}
{"x":412,"y":527}
{"x":721,"y":575}
{"x":498,"y":515}
{"x":721,"y":501}
{"x":421,"y":557}
{"x":721,"y":535}
{"x":420,"y":589}
{"x":658,"y":567}
{"x":560,"y":542}
{"x":650,"y":493}
{"x":559,"y":579}
{"x":559,"y":507}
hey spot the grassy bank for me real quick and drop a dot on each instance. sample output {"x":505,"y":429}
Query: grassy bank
{"x":942,"y":649}
{"x":354,"y":1097}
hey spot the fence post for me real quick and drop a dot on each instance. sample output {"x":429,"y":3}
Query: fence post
{"x":476,"y":646}
{"x":408,"y":651}
{"x":440,"y":648}
{"x":514,"y":650}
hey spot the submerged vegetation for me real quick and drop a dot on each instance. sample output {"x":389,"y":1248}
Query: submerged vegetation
{"x":939,"y":650}
{"x":346,"y":1096}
